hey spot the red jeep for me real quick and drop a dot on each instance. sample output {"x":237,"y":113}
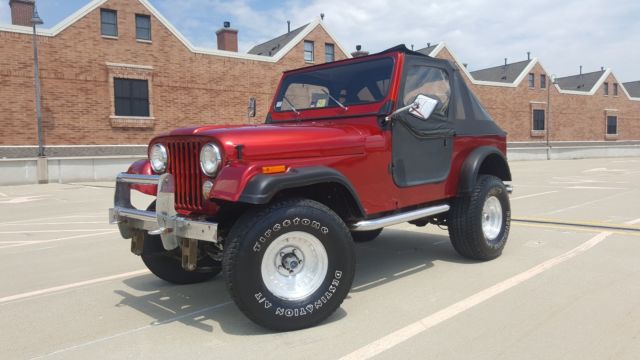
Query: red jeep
{"x":348,"y":148}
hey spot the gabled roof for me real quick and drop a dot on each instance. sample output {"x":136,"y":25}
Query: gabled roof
{"x":633,"y":88}
{"x":94,"y":4}
{"x":503,"y":74}
{"x":428,"y":50}
{"x":580,"y":82}
{"x":271,"y":47}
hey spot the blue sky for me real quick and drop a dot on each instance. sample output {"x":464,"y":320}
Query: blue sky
{"x":563,"y":34}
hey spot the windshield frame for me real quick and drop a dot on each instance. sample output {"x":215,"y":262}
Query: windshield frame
{"x":334,"y":110}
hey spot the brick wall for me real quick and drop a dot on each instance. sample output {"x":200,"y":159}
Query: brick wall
{"x":77,"y":90}
{"x":571,"y":117}
{"x":190,"y":88}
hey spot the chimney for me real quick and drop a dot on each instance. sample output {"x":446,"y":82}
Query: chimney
{"x":21,"y":12}
{"x":288,"y":26}
{"x":580,"y":70}
{"x":528,"y":55}
{"x":359,"y":52}
{"x":505,"y":63}
{"x":227,"y":38}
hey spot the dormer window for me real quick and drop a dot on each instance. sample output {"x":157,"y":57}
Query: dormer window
{"x":532,"y":81}
{"x":109,"y":22}
{"x":308,"y":51}
{"x":143,"y":27}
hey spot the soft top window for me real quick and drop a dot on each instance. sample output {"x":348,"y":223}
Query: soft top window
{"x":430,"y":81}
{"x":350,"y":84}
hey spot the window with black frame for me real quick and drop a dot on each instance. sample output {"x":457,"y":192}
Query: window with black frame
{"x":329,"y":53}
{"x":143,"y":27}
{"x":612,"y":125}
{"x":538,"y":120}
{"x":131,"y":97}
{"x":109,"y":22}
{"x":337,"y":86}
{"x":308,"y":51}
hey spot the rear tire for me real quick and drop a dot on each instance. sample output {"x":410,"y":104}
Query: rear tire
{"x":289,"y":265}
{"x":365,"y":236}
{"x":479,"y":222}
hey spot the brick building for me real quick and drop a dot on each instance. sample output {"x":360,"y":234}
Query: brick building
{"x":524,"y":100}
{"x":117,"y":72}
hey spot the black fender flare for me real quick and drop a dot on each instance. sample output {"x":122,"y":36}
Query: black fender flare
{"x":262,"y":188}
{"x":473,"y":163}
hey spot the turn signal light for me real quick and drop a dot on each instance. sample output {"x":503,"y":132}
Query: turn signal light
{"x":274,"y":169}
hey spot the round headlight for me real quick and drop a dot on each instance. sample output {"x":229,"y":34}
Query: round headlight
{"x":158,"y":158}
{"x":210,"y":159}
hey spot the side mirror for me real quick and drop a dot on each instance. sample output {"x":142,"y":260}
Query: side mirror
{"x":251,"y":109}
{"x":422,"y":107}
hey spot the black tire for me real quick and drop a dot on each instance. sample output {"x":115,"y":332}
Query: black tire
{"x":248,"y":243}
{"x":365,"y":236}
{"x":167,"y":265}
{"x":465,"y":220}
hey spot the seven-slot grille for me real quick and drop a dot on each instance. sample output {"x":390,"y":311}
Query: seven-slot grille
{"x":184,"y":165}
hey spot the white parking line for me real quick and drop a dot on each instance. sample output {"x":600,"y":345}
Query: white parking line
{"x":399,"y":336}
{"x":34,"y":221}
{"x":132,"y":331}
{"x":71,"y":286}
{"x":596,"y":188}
{"x":533,"y":195}
{"x":51,"y":231}
{"x":587,"y":203}
{"x":369,"y":283}
{"x":58,"y":223}
{"x":58,"y":239}
{"x":409,"y":270}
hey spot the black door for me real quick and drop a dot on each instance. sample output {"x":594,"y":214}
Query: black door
{"x":422,"y":148}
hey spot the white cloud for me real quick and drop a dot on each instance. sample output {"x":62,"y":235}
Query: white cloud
{"x":562,"y":34}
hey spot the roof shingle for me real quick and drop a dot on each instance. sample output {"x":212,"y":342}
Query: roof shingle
{"x":633,"y":88}
{"x":428,"y":50}
{"x":271,"y":47}
{"x":503,"y":73}
{"x":580,"y":82}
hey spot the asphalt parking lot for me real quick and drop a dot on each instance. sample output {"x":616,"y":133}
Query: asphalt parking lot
{"x":566,"y":287}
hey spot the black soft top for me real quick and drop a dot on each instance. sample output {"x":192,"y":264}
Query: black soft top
{"x":467,"y":116}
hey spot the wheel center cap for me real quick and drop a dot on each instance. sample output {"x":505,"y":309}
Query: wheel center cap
{"x":290,"y":262}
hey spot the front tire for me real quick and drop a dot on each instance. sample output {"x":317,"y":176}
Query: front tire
{"x":479,"y":222}
{"x":290,"y":265}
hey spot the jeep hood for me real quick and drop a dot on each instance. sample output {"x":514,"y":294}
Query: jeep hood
{"x":283,"y":141}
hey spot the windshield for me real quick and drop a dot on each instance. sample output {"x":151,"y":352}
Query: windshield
{"x":345,"y":85}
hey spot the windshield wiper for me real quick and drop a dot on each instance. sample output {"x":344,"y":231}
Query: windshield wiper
{"x":334,"y":99}
{"x":292,"y":107}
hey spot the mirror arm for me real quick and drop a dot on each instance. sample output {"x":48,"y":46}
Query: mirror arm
{"x":404,"y":108}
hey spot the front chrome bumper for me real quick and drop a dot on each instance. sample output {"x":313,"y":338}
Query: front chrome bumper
{"x":164,"y":220}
